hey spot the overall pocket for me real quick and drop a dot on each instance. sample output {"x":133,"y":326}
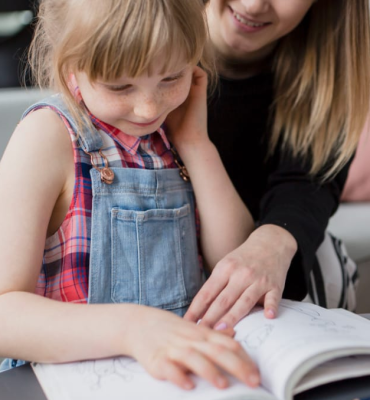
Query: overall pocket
{"x":154,"y":257}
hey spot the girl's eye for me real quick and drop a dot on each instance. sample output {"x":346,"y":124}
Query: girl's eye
{"x":119,"y":88}
{"x":173,"y":78}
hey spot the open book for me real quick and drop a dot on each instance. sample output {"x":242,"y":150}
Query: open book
{"x":304,"y":347}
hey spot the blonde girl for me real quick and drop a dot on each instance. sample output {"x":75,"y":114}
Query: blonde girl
{"x":294,"y":87}
{"x":97,"y":206}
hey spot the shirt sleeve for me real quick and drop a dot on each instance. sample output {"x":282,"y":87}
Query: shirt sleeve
{"x":301,"y":204}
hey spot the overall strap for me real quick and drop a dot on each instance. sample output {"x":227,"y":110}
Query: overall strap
{"x":88,"y":137}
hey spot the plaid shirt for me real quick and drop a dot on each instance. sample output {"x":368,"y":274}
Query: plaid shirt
{"x":65,"y":270}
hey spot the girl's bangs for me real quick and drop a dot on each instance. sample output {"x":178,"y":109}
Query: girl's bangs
{"x":140,"y":47}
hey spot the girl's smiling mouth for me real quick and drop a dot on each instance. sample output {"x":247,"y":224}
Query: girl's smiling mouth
{"x":144,"y":123}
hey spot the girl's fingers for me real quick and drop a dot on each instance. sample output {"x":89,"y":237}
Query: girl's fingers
{"x":177,"y":376}
{"x":228,"y":354}
{"x":195,"y":361}
{"x":185,"y":348}
{"x":232,"y":359}
{"x":230,"y":332}
{"x":199,"y":75}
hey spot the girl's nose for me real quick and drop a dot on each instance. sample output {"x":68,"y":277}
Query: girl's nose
{"x":147,"y":109}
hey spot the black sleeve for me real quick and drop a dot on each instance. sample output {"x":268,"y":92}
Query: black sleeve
{"x":301,"y":205}
{"x":277,"y":190}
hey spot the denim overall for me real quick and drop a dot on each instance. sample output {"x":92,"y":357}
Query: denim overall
{"x":143,"y":235}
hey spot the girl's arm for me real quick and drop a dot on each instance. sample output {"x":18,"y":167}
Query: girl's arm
{"x":169,"y":348}
{"x":224,"y":219}
{"x":36,"y":176}
{"x":249,"y":266}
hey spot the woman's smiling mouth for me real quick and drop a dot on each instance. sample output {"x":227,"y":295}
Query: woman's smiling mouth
{"x":249,"y":24}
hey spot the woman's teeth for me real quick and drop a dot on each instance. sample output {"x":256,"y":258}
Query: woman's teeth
{"x":246,"y":22}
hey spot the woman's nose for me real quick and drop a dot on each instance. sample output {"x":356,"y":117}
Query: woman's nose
{"x":255,"y":7}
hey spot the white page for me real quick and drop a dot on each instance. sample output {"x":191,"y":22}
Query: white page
{"x":123,"y":378}
{"x":301,"y":331}
{"x":350,"y":314}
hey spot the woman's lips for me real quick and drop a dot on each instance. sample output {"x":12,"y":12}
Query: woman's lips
{"x":248,"y":24}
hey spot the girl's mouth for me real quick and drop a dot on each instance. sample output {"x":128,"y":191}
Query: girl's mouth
{"x":146,"y":123}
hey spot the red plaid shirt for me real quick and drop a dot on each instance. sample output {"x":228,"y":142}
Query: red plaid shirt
{"x":65,"y":270}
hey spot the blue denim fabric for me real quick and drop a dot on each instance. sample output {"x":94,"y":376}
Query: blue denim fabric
{"x":8,"y":363}
{"x":143,"y":235}
{"x":143,"y":241}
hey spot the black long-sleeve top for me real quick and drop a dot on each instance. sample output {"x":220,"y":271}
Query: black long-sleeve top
{"x":277,"y":190}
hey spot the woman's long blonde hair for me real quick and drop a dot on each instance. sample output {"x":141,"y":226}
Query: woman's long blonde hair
{"x":109,"y":38}
{"x":322,"y":85}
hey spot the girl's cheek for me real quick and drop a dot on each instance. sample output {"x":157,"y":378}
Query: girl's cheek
{"x":182,"y":93}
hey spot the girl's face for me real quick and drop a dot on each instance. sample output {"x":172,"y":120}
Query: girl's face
{"x":250,"y":27}
{"x":137,"y":106}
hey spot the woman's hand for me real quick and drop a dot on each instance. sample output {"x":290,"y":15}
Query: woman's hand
{"x":253,"y":273}
{"x":187,"y":124}
{"x":170,"y":348}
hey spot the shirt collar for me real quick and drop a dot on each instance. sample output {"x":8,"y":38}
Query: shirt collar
{"x":128,"y":142}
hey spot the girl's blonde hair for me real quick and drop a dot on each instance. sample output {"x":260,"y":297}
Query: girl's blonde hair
{"x":322,"y":84}
{"x":108,"y":38}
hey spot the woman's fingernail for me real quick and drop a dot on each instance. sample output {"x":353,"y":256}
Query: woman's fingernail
{"x":271,"y":313}
{"x":220,"y":326}
{"x":188,"y":385}
{"x":254,"y":379}
{"x":221,"y":382}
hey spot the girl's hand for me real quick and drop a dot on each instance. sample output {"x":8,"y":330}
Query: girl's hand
{"x":253,"y":273}
{"x":187,"y":125}
{"x":170,"y":348}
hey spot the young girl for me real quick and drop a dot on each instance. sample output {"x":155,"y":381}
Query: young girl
{"x":92,"y":196}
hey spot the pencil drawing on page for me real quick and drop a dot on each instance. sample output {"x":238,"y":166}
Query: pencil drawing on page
{"x":257,"y":337}
{"x":96,"y":372}
{"x":318,"y":321}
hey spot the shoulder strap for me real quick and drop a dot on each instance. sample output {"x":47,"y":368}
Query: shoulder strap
{"x":89,"y":138}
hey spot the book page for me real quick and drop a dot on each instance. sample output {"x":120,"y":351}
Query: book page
{"x":335,"y":370}
{"x":350,"y":314}
{"x":301,"y":337}
{"x":285,"y":349}
{"x":124,"y":378}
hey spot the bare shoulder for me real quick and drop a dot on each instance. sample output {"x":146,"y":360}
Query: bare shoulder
{"x":34,"y":173}
{"x":39,"y":149}
{"x":42,"y":132}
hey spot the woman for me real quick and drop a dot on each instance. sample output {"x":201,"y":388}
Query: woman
{"x":294,"y":87}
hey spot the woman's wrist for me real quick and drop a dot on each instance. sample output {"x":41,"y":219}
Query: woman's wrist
{"x":279,"y":238}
